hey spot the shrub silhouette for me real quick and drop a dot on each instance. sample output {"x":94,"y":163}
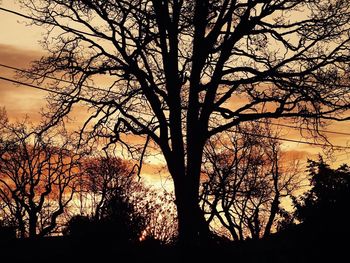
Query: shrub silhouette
{"x":78,"y":226}
{"x":119,"y":221}
{"x":7,"y":232}
{"x":327,"y":203}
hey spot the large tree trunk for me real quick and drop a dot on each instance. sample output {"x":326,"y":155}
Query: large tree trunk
{"x":193,"y":228}
{"x":186,"y":209}
{"x":32,"y":225}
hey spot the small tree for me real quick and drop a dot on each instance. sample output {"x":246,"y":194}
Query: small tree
{"x":121,"y":217}
{"x":138,"y":213}
{"x":102,"y":178}
{"x":245,"y":181}
{"x":37,"y":178}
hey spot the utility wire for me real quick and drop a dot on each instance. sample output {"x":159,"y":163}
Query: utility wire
{"x":34,"y":86}
{"x":82,"y":32}
{"x":333,"y":156}
{"x":61,"y":93}
{"x":38,"y":20}
{"x":113,"y":92}
{"x":246,"y":133}
{"x":301,"y":128}
{"x":294,"y":141}
{"x":53,"y":78}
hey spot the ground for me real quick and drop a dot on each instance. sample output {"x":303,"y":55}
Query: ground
{"x":298,"y":244}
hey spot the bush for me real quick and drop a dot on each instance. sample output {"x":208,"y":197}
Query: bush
{"x":7,"y":232}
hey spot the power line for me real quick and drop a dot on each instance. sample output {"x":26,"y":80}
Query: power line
{"x":336,"y":155}
{"x":113,"y":92}
{"x":301,"y":128}
{"x":294,"y":141}
{"x":246,"y":133}
{"x":45,"y":89}
{"x":34,"y":86}
{"x":342,"y":160}
{"x":108,"y":91}
{"x":342,"y":154}
{"x":53,"y":78}
{"x":332,"y":156}
{"x":38,"y":20}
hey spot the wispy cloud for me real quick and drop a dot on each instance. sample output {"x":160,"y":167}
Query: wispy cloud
{"x":19,"y":100}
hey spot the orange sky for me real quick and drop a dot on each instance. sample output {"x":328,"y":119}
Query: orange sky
{"x":19,"y":45}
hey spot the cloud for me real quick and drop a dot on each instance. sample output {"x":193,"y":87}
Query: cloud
{"x":17,"y":57}
{"x":19,"y":100}
{"x":293,"y":155}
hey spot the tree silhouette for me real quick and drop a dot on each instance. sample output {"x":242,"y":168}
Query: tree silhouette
{"x":182,"y":71}
{"x":327,"y":203}
{"x":37,"y":178}
{"x":246,"y":181}
{"x":102,"y":177}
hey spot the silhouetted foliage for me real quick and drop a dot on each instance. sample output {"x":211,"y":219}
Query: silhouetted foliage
{"x":102,"y":178}
{"x":113,"y":195}
{"x":327,"y":203}
{"x":180,"y":72}
{"x":119,"y":221}
{"x":79,"y":226}
{"x":124,"y":218}
{"x":7,"y":231}
{"x":160,"y":210}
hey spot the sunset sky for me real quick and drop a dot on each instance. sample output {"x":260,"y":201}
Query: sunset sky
{"x":19,"y":45}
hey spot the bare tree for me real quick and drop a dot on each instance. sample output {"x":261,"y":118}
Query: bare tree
{"x":37,"y":178}
{"x":246,"y":180}
{"x":182,"y":71}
